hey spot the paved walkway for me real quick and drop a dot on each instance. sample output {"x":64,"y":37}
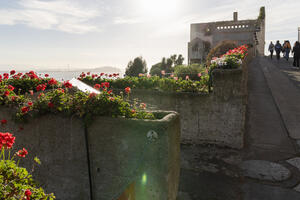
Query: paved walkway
{"x":269,"y":166}
{"x":266,"y":137}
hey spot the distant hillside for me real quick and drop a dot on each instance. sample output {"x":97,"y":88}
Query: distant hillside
{"x":106,"y":70}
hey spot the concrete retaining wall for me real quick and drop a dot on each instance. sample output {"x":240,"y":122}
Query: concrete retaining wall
{"x":217,"y":118}
{"x":60,"y":145}
{"x":120,"y":153}
{"x":140,"y":152}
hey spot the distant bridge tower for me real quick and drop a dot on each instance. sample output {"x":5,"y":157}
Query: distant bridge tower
{"x":298,"y":34}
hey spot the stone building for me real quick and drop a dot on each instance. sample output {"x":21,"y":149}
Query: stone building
{"x":204,"y":36}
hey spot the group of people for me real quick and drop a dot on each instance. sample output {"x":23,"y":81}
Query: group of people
{"x":286,"y":48}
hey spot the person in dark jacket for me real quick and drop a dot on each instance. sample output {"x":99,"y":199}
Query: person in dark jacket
{"x":287,"y":49}
{"x":278,"y":49}
{"x":296,"y":51}
{"x":271,"y":49}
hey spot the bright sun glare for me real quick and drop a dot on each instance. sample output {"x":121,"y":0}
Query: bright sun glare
{"x":159,"y":8}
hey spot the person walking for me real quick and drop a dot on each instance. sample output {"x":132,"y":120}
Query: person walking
{"x":287,"y":49}
{"x":296,"y":51}
{"x":271,"y":49}
{"x":278,"y":49}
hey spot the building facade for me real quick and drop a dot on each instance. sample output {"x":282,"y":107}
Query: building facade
{"x":204,"y":36}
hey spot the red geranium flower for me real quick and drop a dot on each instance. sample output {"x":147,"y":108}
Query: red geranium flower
{"x":6,"y":93}
{"x":31,"y":92}
{"x":25,"y":109}
{"x":82,"y":75}
{"x":46,"y":75}
{"x":12,"y":72}
{"x":52,"y":81}
{"x":6,"y":140}
{"x":5,"y":75}
{"x":22,"y":153}
{"x":3,"y":121}
{"x":97,"y":86}
{"x":67,"y":84}
{"x":128,"y":90}
{"x":41,"y":87}
{"x":106,"y":84}
{"x":30,"y":103}
{"x":28,"y":194}
{"x":11,"y":88}
{"x":50,"y":105}
{"x":91,"y":95}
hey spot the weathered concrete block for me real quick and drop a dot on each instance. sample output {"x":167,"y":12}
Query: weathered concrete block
{"x":205,"y":118}
{"x":141,"y":154}
{"x":60,"y":145}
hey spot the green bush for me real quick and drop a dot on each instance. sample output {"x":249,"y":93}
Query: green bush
{"x":16,"y":182}
{"x":181,"y":71}
{"x":167,"y":84}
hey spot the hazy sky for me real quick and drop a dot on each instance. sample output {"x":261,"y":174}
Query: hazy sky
{"x":94,"y":33}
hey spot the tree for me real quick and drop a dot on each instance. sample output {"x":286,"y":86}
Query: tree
{"x":156,"y":70}
{"x":179,"y":60}
{"x":135,"y":67}
{"x":167,"y":64}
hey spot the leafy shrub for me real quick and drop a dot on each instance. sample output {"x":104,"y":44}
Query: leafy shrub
{"x":15,"y":181}
{"x":156,"y":70}
{"x":61,"y":99}
{"x":193,"y":71}
{"x":167,"y":65}
{"x":219,"y":50}
{"x":168,"y":84}
{"x":28,"y":81}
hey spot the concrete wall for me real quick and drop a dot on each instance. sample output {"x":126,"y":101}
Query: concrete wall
{"x":217,"y":118}
{"x":60,"y":145}
{"x":260,"y":37}
{"x":152,"y":165}
{"x":120,"y":153}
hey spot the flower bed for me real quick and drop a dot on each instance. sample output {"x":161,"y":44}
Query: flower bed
{"x":18,"y":92}
{"x":68,"y":126}
{"x":169,"y":84}
{"x":231,"y":60}
{"x":15,"y":181}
